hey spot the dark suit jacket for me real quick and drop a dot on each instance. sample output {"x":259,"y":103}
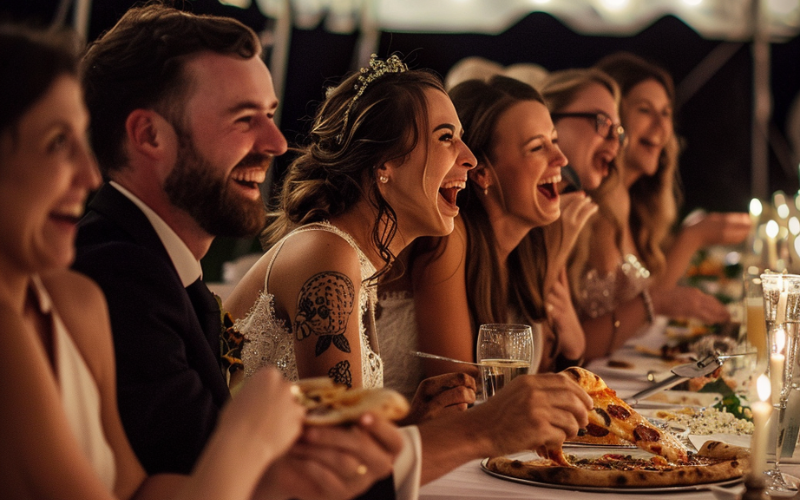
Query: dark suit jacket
{"x":169,"y":383}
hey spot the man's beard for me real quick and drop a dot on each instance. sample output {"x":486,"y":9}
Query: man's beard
{"x":194,"y":187}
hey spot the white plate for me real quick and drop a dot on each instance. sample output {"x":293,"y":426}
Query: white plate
{"x":654,"y":489}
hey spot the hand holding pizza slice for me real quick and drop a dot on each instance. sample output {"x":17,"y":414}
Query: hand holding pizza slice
{"x":612,"y":415}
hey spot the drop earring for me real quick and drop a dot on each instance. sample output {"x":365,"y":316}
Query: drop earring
{"x":486,"y":190}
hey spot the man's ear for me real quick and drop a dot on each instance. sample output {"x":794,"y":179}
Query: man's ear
{"x":148,"y":133}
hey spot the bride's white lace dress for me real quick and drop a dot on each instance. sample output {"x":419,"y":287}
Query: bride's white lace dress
{"x":269,"y":341}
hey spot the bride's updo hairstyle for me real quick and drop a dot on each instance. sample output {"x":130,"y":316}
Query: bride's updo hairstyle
{"x":376,"y":115}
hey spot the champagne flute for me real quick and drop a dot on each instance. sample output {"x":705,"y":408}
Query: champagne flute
{"x":504,"y":352}
{"x":783,"y":308}
{"x":756,"y":323}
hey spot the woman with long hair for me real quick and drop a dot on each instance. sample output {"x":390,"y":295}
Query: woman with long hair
{"x":628,"y":267}
{"x":584,"y":106}
{"x":383,"y":167}
{"x":486,"y":270}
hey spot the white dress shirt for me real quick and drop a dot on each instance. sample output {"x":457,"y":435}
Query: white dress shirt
{"x":188,"y":267}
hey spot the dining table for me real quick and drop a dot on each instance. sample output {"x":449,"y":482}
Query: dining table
{"x":634,"y":371}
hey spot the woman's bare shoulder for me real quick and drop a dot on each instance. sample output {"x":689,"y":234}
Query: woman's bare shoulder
{"x":81,"y":305}
{"x":70,"y":289}
{"x":312,"y":252}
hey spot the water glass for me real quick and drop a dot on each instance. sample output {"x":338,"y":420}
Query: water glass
{"x":505,"y":351}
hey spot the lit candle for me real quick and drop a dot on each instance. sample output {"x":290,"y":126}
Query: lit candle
{"x":772,"y":249}
{"x":761,"y":411}
{"x":755,"y":213}
{"x":777,"y":360}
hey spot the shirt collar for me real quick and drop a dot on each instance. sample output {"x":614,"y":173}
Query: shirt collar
{"x":188,"y":267}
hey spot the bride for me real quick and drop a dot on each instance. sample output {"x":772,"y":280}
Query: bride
{"x":384,"y":165}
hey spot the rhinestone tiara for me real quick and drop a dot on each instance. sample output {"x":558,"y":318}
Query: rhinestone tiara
{"x":377,"y":68}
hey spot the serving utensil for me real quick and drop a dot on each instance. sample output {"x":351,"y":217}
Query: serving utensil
{"x":443,"y":358}
{"x":680,"y":374}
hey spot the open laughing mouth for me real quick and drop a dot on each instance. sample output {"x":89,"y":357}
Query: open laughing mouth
{"x":449,"y":190}
{"x":650,"y":145}
{"x":70,"y":215}
{"x":548,"y":187}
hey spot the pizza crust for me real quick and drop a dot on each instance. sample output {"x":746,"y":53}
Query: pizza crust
{"x":719,"y":462}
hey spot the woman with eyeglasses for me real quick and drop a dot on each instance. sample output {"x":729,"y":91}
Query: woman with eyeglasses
{"x":584,"y":106}
{"x":626,"y":267}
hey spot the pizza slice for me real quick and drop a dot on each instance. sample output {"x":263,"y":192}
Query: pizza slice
{"x":611,"y":415}
{"x":327,"y":403}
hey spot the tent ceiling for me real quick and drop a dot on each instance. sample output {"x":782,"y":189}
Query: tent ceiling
{"x":713,"y":19}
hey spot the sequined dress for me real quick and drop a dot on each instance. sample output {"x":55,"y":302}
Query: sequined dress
{"x":601,"y":294}
{"x":270,"y":342}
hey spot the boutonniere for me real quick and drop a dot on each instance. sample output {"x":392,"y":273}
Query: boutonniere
{"x":230,"y":343}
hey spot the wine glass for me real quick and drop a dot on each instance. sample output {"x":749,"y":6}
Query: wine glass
{"x":504,"y":351}
{"x":782,"y":311}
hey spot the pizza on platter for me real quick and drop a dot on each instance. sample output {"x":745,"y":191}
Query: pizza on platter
{"x":714,"y":462}
{"x":612,"y":421}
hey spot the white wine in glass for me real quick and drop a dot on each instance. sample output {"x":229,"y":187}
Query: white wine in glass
{"x":505,"y":352}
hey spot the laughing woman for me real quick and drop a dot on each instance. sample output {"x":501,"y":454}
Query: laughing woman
{"x":629,"y":266}
{"x":485,"y":271}
{"x":383,"y":167}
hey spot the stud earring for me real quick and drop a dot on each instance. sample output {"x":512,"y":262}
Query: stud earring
{"x":486,"y":190}
{"x":383,"y":179}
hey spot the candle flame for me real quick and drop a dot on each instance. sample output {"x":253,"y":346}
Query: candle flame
{"x":755,"y":207}
{"x":763,"y":388}
{"x":772,"y":229}
{"x":780,"y":339}
{"x":794,"y":226}
{"x":779,"y":200}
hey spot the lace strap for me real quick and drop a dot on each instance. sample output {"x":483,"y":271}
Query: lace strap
{"x":271,"y":262}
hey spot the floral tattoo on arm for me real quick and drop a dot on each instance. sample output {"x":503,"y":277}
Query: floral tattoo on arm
{"x":340,"y":374}
{"x":324,"y":306}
